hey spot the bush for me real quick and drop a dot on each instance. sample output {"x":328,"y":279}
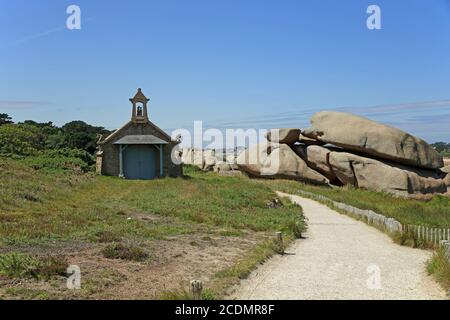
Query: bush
{"x":20,"y":140}
{"x":80,"y":135}
{"x":50,"y":266}
{"x":19,"y":265}
{"x":28,"y":138}
{"x":298,"y":227}
{"x":439,"y":267}
{"x":66,"y":159}
{"x":125,"y":252}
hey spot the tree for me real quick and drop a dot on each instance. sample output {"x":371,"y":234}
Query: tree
{"x":80,"y":135}
{"x":20,"y":140}
{"x":5,"y":119}
{"x":441,"y":146}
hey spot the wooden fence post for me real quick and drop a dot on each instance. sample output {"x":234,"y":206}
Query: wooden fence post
{"x":280,"y":243}
{"x":196,"y":289}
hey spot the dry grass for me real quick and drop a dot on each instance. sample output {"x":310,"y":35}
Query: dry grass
{"x":439,"y":267}
{"x":136,"y":239}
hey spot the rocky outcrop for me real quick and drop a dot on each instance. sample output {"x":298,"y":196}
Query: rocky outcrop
{"x":369,"y":138}
{"x":317,"y":158}
{"x":446,"y":171}
{"x":195,"y":157}
{"x":371,"y":174}
{"x":339,"y":149}
{"x":207,"y":160}
{"x":209,"y":157}
{"x":446,"y":162}
{"x":271,"y":160}
{"x":222,"y":167}
{"x":187,"y":156}
{"x":285,"y":136}
{"x":252,"y":159}
{"x":309,"y":141}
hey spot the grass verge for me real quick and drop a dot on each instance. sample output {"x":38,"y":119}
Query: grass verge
{"x":432,"y":213}
{"x":439,"y":268}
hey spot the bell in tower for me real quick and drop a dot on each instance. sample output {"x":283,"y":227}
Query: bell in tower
{"x":139,"y":111}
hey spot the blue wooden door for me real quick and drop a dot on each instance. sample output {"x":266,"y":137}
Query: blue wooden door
{"x":139,"y":162}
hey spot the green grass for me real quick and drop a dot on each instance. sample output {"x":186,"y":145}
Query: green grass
{"x":18,"y":265}
{"x":92,"y":207}
{"x":439,"y":267}
{"x":28,"y":294}
{"x":433,"y":213}
{"x":40,"y":207}
{"x":248,"y":263}
{"x":182,"y":294}
{"x":43,"y":209}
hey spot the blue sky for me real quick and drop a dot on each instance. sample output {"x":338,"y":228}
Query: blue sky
{"x":233,"y":63}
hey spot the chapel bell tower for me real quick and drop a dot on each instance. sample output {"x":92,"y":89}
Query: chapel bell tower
{"x":139,"y":112}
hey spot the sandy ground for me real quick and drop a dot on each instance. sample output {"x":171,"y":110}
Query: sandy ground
{"x":341,"y":258}
{"x":173,"y":262}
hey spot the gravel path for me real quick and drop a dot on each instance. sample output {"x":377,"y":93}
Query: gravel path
{"x":337,"y":260}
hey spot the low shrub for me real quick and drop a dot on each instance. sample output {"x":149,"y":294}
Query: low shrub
{"x":50,"y":266}
{"x":125,"y":252}
{"x":20,"y":140}
{"x":439,"y":267}
{"x":65,"y":159}
{"x":19,"y":265}
{"x":298,"y":227}
{"x":208,"y":295}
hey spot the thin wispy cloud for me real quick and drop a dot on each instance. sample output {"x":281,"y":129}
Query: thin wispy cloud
{"x":14,"y":104}
{"x":400,"y":107}
{"x":45,"y":33}
{"x":427,"y":119}
{"x":301,"y":117}
{"x":38,"y":35}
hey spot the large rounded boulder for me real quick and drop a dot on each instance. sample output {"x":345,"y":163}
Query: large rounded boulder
{"x":286,"y":136}
{"x":317,"y":158}
{"x":270,"y":160}
{"x":446,"y":171}
{"x":369,"y":138}
{"x":209,"y":160}
{"x":371,"y":174}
